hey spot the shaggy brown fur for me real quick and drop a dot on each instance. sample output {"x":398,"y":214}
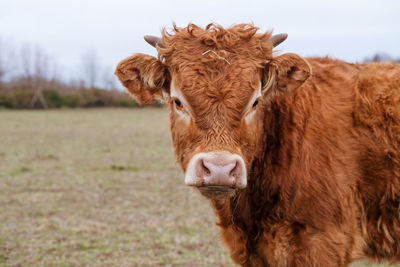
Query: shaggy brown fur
{"x":322,"y":153}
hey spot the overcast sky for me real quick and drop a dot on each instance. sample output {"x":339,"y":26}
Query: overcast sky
{"x":346,"y":29}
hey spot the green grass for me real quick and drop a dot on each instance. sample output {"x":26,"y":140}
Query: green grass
{"x":99,"y":187}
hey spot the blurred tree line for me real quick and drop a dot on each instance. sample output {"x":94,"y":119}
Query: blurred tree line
{"x":28,"y":70}
{"x":381,"y":57}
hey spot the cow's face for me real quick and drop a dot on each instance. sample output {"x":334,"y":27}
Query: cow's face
{"x":215,"y":95}
{"x":214,"y":127}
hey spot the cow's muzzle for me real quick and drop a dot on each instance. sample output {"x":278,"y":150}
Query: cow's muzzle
{"x":216,"y":174}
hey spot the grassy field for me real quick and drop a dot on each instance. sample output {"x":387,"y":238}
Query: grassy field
{"x":98,"y":187}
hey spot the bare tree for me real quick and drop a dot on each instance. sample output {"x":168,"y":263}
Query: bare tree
{"x":2,"y":60}
{"x":35,"y":64}
{"x":35,"y":68}
{"x":380,"y":56}
{"x":108,"y":79}
{"x":26,"y":61}
{"x":90,"y":68}
{"x":5,"y":59}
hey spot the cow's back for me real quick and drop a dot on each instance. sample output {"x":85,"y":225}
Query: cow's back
{"x":373,"y":92}
{"x":377,"y":122}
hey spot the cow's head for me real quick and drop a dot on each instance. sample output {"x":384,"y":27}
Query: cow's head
{"x":215,"y":82}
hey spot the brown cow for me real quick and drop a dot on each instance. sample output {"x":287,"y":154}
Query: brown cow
{"x":301,"y":170}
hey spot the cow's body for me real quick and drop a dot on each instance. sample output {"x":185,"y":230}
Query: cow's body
{"x":300,"y":171}
{"x":324,"y":187}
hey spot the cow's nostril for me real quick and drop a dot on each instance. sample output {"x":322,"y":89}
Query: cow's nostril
{"x":205,"y":169}
{"x":234,"y":172}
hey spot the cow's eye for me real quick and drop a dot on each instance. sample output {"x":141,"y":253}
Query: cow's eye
{"x":178,"y":103}
{"x":255,"y":103}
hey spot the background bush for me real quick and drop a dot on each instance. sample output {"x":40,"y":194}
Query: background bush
{"x":21,"y":98}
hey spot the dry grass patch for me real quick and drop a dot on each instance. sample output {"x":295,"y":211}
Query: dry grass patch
{"x":98,"y":187}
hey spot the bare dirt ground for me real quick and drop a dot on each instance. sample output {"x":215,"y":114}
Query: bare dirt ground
{"x":99,"y":187}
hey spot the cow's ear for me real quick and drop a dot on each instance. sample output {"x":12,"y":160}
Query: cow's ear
{"x":284,"y":74}
{"x":144,"y":77}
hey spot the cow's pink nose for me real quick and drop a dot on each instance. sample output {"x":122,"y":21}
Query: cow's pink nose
{"x":216,"y":169}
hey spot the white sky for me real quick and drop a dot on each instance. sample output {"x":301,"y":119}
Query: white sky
{"x":344,"y":29}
